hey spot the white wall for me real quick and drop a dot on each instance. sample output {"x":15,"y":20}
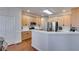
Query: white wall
{"x":10,"y":25}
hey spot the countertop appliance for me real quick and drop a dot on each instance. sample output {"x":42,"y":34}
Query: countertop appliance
{"x":73,"y":29}
{"x":32,"y":25}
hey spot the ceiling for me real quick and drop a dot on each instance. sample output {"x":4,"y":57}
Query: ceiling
{"x":39,"y":10}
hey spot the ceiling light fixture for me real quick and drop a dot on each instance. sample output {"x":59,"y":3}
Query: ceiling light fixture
{"x":42,"y":15}
{"x":63,"y":10}
{"x":47,"y":11}
{"x":28,"y":10}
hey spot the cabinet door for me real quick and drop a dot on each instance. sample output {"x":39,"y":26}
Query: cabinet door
{"x":25,"y":20}
{"x":26,"y":35}
{"x":75,"y":17}
{"x":66,"y":20}
{"x":38,"y":20}
{"x":60,"y":21}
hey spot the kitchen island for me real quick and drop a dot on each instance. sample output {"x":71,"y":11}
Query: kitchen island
{"x":55,"y":41}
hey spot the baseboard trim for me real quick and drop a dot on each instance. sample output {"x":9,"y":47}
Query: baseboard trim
{"x":35,"y":48}
{"x":15,"y":44}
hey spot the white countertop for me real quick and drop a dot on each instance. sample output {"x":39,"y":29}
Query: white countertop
{"x":26,"y":28}
{"x":51,"y":32}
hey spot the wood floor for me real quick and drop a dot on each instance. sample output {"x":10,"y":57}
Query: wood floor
{"x":23,"y":46}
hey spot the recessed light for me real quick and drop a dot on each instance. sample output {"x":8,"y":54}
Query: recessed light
{"x":28,"y":10}
{"x":63,"y":10}
{"x":47,"y":11}
{"x":42,"y":15}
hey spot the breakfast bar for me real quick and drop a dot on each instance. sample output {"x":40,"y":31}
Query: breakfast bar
{"x":55,"y":41}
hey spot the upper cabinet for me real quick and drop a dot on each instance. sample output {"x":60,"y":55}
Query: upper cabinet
{"x":28,"y":18}
{"x":62,"y":20}
{"x":25,"y":20}
{"x":66,"y":20}
{"x":75,"y":17}
{"x":36,"y":19}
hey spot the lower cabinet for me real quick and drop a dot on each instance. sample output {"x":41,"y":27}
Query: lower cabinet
{"x":26,"y":35}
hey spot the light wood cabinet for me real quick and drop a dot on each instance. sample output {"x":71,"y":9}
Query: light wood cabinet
{"x":75,"y":17}
{"x":62,"y":20}
{"x":66,"y":20}
{"x":26,"y":35}
{"x":38,"y":20}
{"x":26,"y":20}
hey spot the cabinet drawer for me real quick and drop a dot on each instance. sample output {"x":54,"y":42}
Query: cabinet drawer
{"x":26,"y":35}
